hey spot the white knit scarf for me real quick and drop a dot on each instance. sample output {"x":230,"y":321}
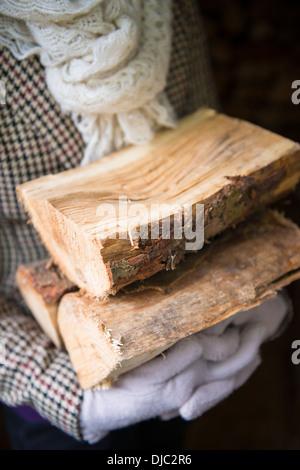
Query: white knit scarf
{"x":106,"y":63}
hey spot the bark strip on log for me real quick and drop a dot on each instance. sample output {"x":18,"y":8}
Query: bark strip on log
{"x":238,"y":271}
{"x":42,"y":285}
{"x":231,"y":166}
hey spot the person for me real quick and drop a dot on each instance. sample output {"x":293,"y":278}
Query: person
{"x":82,"y":80}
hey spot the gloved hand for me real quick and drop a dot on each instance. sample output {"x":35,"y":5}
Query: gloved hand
{"x":188,"y":379}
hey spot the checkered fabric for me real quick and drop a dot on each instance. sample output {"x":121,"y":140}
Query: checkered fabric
{"x":35,"y":373}
{"x":37,"y":139}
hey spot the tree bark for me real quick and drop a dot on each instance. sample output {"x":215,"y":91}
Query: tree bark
{"x":230,"y":166}
{"x":238,"y":271}
{"x":42,"y":285}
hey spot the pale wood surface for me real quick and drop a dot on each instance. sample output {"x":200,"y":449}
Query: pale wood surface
{"x":238,"y":271}
{"x":229,"y":165}
{"x":42,"y":285}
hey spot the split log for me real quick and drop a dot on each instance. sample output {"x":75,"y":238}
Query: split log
{"x":42,"y":285}
{"x":231,"y":166}
{"x":236,"y":272}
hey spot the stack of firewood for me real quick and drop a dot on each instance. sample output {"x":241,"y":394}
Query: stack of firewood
{"x":156,"y":242}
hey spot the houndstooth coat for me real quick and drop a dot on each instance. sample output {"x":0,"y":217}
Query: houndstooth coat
{"x":36,"y":138}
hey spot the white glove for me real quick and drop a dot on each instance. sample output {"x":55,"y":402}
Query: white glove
{"x":191,"y":377}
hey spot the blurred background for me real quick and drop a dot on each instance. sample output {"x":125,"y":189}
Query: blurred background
{"x":255,"y":57}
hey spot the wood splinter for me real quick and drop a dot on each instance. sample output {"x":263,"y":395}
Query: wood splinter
{"x":230,"y":166}
{"x":237,"y":272}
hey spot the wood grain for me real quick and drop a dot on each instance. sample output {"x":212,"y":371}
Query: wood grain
{"x":231,"y":166}
{"x":42,"y":285}
{"x":238,"y":271}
